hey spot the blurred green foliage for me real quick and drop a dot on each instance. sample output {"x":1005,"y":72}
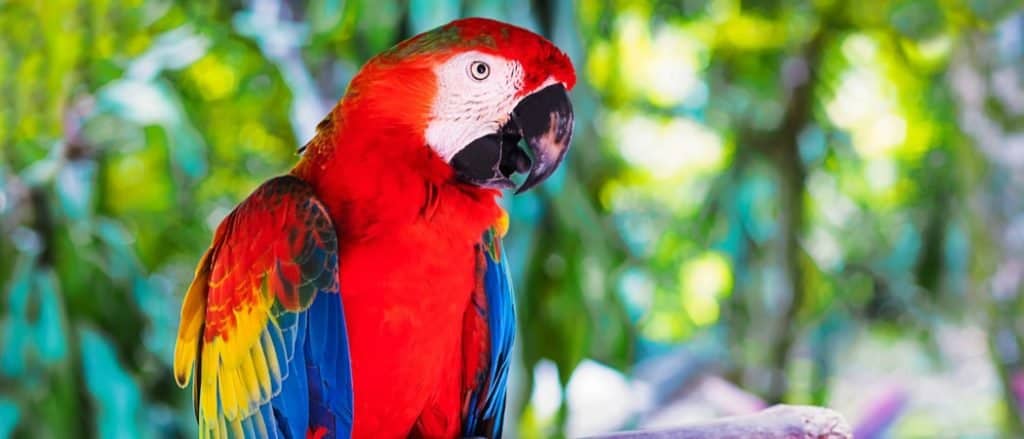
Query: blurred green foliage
{"x":765,"y":175}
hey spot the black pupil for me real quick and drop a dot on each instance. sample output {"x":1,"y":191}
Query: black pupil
{"x":481,"y":69}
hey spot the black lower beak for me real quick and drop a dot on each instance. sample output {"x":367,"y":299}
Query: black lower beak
{"x":545,"y":120}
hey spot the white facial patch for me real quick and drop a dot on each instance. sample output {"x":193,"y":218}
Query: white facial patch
{"x":472,"y":101}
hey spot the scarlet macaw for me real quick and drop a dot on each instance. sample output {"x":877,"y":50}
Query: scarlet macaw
{"x":365,"y":294}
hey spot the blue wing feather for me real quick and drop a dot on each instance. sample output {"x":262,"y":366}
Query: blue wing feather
{"x":487,"y":413}
{"x":328,"y":369}
{"x":317,"y":392}
{"x":290,"y":405}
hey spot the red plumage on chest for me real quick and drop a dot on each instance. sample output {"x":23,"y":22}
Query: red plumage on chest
{"x":408,"y":231}
{"x":405,"y":297}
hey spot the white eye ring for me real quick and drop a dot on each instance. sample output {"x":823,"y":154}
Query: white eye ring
{"x":479,"y":70}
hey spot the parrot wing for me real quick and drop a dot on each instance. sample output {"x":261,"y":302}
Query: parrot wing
{"x":262,"y":324}
{"x":493,"y":308}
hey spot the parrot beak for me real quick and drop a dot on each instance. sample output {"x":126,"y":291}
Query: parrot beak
{"x":545,"y":120}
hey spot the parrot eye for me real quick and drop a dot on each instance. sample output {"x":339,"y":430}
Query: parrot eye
{"x":479,"y":70}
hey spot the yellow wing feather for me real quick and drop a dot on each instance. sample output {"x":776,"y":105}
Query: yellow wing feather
{"x":193,"y":312}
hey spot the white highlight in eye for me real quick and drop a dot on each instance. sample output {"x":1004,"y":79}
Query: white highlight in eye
{"x":466,"y":108}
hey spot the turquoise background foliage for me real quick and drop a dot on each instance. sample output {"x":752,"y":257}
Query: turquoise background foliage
{"x":805,"y":201}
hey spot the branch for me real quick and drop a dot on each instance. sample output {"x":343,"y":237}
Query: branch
{"x":778,"y":422}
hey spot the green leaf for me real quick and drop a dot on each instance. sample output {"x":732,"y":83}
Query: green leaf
{"x":117,"y":397}
{"x":51,"y":340}
{"x":326,"y":14}
{"x":75,"y":186}
{"x":123,"y":265}
{"x":917,"y":19}
{"x":378,"y":21}
{"x":154,"y":297}
{"x":993,"y":10}
{"x":428,"y":14}
{"x":9,"y":415}
{"x":16,"y":335}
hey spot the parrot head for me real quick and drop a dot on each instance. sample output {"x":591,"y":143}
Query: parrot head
{"x":473,"y":90}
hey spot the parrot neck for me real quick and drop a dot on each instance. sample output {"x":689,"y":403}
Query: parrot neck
{"x":378,"y":177}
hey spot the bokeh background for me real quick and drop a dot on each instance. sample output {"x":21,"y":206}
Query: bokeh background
{"x":807,"y":201}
